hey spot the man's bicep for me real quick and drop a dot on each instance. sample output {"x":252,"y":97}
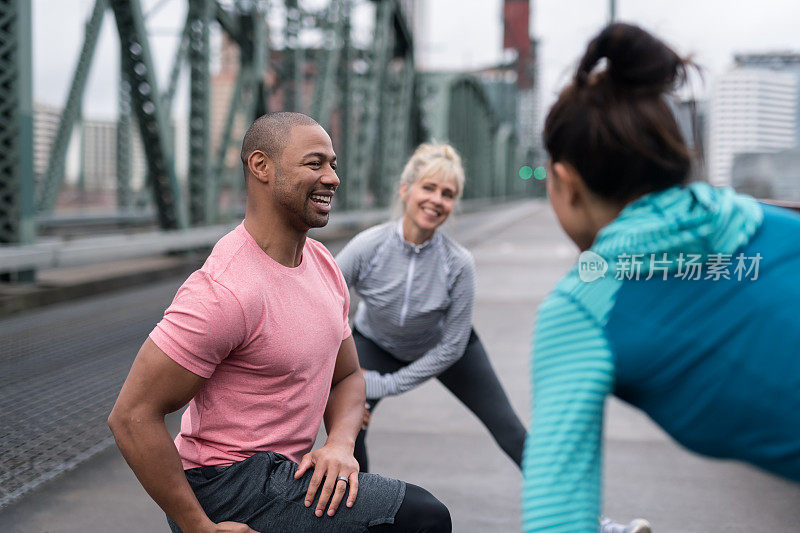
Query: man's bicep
{"x":346,"y":360}
{"x":156,"y":384}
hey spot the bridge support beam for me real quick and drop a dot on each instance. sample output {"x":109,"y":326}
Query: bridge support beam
{"x":198,"y":19}
{"x":16,"y":128}
{"x":146,"y":104}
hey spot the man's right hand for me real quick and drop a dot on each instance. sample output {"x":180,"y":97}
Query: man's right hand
{"x":233,"y":527}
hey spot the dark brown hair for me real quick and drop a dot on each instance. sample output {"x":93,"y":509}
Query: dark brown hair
{"x":614,"y":124}
{"x":270,"y":133}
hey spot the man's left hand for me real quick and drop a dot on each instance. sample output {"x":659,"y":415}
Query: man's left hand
{"x":330,"y":462}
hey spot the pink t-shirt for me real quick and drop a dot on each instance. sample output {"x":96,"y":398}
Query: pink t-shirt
{"x":266,"y":338}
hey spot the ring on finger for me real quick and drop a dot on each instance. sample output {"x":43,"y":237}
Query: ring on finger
{"x":342,"y":478}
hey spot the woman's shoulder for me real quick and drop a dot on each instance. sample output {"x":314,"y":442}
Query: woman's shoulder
{"x":594,"y":295}
{"x":456,"y":254}
{"x":375,"y":234}
{"x":369,"y":239}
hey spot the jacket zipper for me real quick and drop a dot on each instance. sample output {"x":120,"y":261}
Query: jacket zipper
{"x":404,"y":310}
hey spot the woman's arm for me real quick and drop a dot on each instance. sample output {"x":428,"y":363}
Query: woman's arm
{"x":456,"y":327}
{"x":572,"y":374}
{"x":357,"y":253}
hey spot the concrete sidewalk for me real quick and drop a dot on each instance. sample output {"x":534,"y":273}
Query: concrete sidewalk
{"x":428,"y":438}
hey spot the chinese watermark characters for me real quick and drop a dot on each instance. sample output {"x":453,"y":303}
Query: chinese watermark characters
{"x":713,"y":267}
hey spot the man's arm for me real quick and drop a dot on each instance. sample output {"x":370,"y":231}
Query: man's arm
{"x":343,"y":416}
{"x":156,"y":386}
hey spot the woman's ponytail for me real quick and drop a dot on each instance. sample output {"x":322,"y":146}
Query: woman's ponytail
{"x":613,"y":124}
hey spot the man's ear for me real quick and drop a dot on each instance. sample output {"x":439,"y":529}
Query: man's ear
{"x":260,"y":166}
{"x":569,"y":179}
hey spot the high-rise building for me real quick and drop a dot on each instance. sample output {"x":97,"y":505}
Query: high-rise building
{"x":223,"y":85}
{"x":773,"y":176}
{"x":99,"y":155}
{"x":45,"y":126}
{"x":754,"y":108}
{"x":516,"y":37}
{"x":691,"y":116}
{"x":784,"y":62}
{"x":91,"y":158}
{"x":46,"y":119}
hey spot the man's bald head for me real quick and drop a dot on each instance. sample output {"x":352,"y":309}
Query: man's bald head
{"x":270,"y":133}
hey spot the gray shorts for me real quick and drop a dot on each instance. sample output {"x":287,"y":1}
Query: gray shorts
{"x":262,"y":492}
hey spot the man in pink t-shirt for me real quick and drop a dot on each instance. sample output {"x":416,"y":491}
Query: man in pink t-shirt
{"x":257,"y":342}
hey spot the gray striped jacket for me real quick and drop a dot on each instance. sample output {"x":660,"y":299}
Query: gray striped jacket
{"x":416,"y":302}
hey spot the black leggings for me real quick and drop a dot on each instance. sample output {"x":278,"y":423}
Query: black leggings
{"x":420,"y":512}
{"x":471,"y":379}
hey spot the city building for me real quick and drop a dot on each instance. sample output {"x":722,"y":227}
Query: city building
{"x":223,"y":86}
{"x":754,"y":109}
{"x":773,"y":176}
{"x":691,"y":116}
{"x":91,"y":164}
{"x":517,"y":38}
{"x":98,"y":169}
{"x":45,"y":127}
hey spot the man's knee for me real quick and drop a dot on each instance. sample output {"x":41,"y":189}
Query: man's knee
{"x":430,"y":515}
{"x":437,"y":518}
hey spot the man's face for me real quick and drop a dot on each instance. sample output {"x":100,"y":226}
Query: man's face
{"x":305,"y":177}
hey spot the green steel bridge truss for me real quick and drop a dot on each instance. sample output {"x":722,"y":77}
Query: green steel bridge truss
{"x":16,"y":124}
{"x":372,"y":99}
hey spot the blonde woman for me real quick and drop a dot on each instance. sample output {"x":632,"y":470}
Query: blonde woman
{"x":414,"y":320}
{"x":417,"y":288}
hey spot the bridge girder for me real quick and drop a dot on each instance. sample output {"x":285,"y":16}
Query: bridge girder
{"x":371,"y":100}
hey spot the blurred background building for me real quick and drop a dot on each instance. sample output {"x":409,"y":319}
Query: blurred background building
{"x":753,"y":118}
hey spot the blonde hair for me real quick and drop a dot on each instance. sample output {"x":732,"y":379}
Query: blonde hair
{"x":434,"y":160}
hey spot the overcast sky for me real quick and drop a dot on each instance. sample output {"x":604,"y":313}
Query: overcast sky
{"x":711,"y":30}
{"x":458,"y":34}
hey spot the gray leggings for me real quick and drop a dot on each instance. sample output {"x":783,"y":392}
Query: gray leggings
{"x":471,"y":379}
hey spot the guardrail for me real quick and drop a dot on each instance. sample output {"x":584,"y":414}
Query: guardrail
{"x":782,"y":203}
{"x":77,"y":252}
{"x":55,"y":253}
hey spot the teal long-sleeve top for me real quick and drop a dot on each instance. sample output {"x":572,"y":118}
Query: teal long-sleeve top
{"x":696,"y":321}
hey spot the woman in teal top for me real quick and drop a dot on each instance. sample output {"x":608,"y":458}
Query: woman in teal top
{"x":684,"y":302}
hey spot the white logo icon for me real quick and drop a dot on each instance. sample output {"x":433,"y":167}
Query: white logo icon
{"x":591,"y":266}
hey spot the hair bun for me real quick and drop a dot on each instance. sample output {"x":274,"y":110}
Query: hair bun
{"x":637,"y":61}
